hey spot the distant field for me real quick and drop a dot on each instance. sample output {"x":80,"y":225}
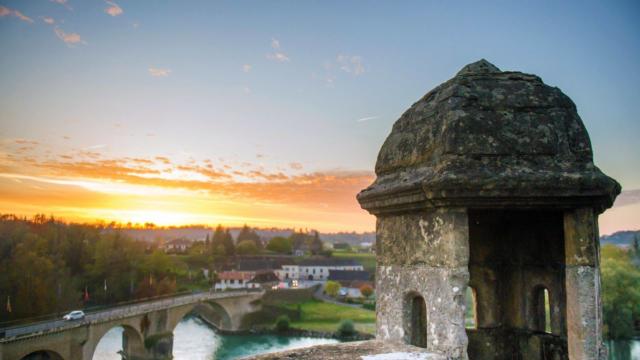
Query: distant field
{"x":322,"y":316}
{"x":368,"y":260}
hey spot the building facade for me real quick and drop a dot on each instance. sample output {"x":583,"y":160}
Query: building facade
{"x":315,"y":269}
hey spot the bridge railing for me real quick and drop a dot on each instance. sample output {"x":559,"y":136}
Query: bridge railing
{"x":121,"y":309}
{"x":86,"y":309}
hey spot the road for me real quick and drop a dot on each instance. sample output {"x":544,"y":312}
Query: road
{"x":117,"y":312}
{"x":320,"y":295}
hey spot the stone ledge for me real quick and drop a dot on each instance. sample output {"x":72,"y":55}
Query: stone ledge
{"x":359,"y":350}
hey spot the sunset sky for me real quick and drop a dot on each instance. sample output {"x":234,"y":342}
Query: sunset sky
{"x":272,"y":113}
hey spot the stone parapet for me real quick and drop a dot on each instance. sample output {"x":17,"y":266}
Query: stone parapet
{"x":360,"y":350}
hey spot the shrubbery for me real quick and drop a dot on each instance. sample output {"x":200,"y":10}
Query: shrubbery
{"x":331,"y":288}
{"x":369,"y":306}
{"x":282,"y":323}
{"x":346,"y":328}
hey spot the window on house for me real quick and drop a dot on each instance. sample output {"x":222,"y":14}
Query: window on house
{"x":471,"y":316}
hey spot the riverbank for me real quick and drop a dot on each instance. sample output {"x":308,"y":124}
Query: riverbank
{"x":299,"y":333}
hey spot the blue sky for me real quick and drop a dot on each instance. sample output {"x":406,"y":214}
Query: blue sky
{"x":266,"y":84}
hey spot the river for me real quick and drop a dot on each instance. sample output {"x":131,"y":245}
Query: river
{"x":195,"y":340}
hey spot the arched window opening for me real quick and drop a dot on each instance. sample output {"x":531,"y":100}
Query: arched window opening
{"x":542,"y":310}
{"x":471,"y":316}
{"x":417,"y":320}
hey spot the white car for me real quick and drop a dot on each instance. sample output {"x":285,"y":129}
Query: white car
{"x":74,"y":315}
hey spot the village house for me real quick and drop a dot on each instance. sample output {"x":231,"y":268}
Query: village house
{"x":177,"y":245}
{"x":350,"y":281}
{"x":316,"y":269}
{"x":246,"y":280}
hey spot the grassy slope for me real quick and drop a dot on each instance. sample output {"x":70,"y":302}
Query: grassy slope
{"x":322,"y":316}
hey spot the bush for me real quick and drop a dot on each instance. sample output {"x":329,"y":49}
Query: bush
{"x":346,"y":328}
{"x":282,"y":323}
{"x":366,"y":290}
{"x":369,"y":306}
{"x":332,"y":288}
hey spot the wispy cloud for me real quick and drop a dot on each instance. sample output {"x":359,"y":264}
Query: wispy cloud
{"x":62,"y":2}
{"x":367,"y":118}
{"x":113,"y":9}
{"x":5,"y":11}
{"x":628,"y":197}
{"x":295,"y":166}
{"x":69,"y":38}
{"x":246,"y":68}
{"x":48,"y":20}
{"x":352,"y":64}
{"x":277,"y":54}
{"x":97,"y":186}
{"x":159,"y":72}
{"x":94,"y":147}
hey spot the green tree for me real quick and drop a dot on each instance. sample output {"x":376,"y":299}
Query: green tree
{"x":246,"y":233}
{"x":159,"y":264}
{"x":247,"y":247}
{"x":280,"y":245}
{"x":217,"y":240}
{"x":620,"y":292}
{"x":315,"y":244}
{"x":229,"y":246}
{"x":332,"y":288}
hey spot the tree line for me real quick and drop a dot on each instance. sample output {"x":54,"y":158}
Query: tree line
{"x":49,"y":266}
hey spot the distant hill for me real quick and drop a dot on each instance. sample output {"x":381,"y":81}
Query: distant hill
{"x":620,"y":238}
{"x":196,"y":233}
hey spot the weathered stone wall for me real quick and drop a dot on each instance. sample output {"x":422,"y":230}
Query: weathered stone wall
{"x":584,"y":308}
{"x":423,"y":254}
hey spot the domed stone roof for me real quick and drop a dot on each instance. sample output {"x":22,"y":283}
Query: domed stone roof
{"x":489,"y":138}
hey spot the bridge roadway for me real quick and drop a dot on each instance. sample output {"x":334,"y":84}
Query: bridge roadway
{"x":224,"y":309}
{"x":118,"y":312}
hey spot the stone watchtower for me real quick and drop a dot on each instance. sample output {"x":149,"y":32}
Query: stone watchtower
{"x":488,"y":182}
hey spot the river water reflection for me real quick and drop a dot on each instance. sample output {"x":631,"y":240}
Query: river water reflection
{"x":194,"y":340}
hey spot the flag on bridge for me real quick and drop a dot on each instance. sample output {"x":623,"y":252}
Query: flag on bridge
{"x":8,"y":303}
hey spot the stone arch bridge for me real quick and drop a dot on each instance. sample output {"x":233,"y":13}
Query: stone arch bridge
{"x":148,"y":327}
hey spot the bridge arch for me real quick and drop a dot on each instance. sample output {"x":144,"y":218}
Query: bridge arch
{"x":211,"y":311}
{"x":132,"y":343}
{"x":42,"y":355}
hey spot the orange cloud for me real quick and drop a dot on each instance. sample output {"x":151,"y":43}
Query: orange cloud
{"x":68,"y":38}
{"x":5,"y":11}
{"x":113,"y":9}
{"x":142,"y":188}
